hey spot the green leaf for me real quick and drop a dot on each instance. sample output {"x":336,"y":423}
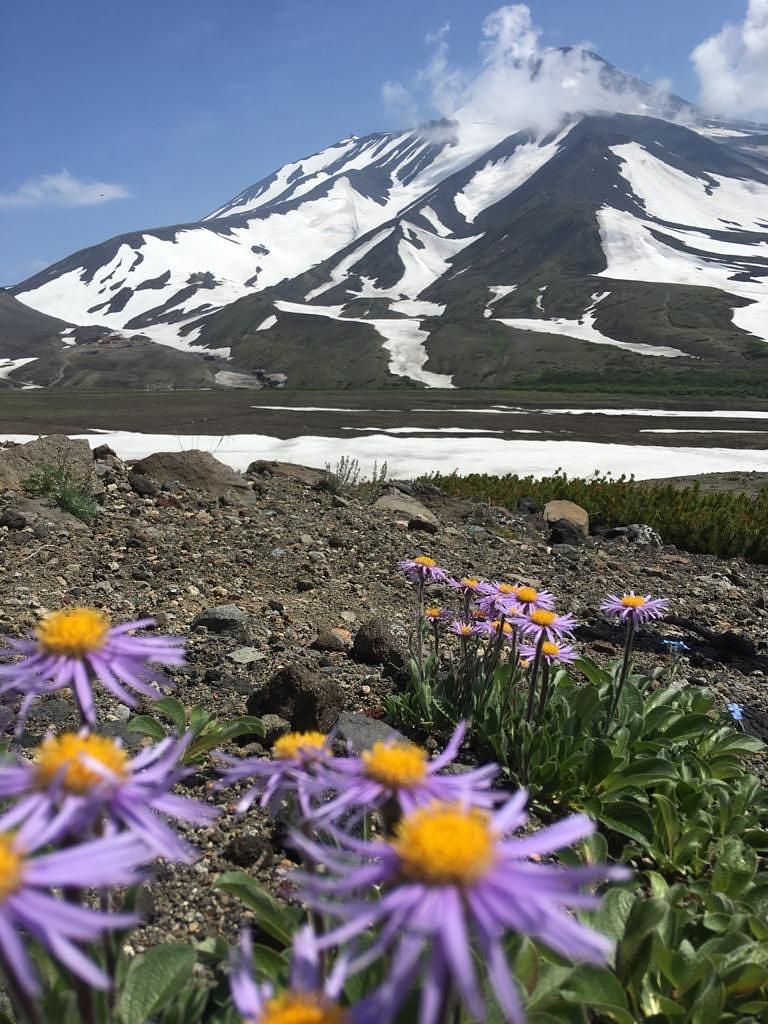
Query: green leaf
{"x":628,"y":819}
{"x":611,"y":918}
{"x":153,"y":979}
{"x":146,"y":725}
{"x":199,"y":718}
{"x":173,"y":709}
{"x":644,"y":918}
{"x":274,"y":918}
{"x":644,"y":773}
{"x":599,"y":990}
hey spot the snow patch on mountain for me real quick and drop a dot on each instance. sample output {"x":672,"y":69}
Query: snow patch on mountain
{"x":7,"y":366}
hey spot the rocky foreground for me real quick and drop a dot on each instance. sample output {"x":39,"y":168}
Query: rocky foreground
{"x":290,"y":601}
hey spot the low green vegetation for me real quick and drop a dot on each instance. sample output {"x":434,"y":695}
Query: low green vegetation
{"x":68,"y":489}
{"x":724,"y":524}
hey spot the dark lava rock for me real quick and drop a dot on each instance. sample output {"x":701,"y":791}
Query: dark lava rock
{"x":223,"y":618}
{"x":361,"y":732}
{"x":13,"y":519}
{"x":374,"y":644}
{"x":528,"y":506}
{"x":101,"y":451}
{"x":327,"y":640}
{"x":249,"y":850}
{"x":563,"y":531}
{"x":307,"y":701}
{"x":424,"y":525}
{"x":142,"y":485}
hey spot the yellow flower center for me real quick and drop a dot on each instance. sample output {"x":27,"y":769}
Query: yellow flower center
{"x":444,"y":844}
{"x":506,"y":628}
{"x":542,"y":616}
{"x":425,"y":560}
{"x":396,"y":764}
{"x":73,"y":632}
{"x":298,"y":744}
{"x":633,"y":601}
{"x":465,"y":629}
{"x":470,"y":582}
{"x":527,"y":594}
{"x":507,"y":588}
{"x":302,"y":1008}
{"x":65,"y":758}
{"x":550,"y":649}
{"x":433,"y":613}
{"x":11,"y":867}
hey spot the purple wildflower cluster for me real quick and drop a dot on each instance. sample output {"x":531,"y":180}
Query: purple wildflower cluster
{"x":82,"y":793}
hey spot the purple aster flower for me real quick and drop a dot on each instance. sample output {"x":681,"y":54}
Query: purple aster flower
{"x":464,"y":629}
{"x":400,"y":771}
{"x":309,"y":997}
{"x":422,"y":569}
{"x":546,"y":621}
{"x":86,"y":778}
{"x":498,"y":599}
{"x":448,"y":884}
{"x":75,"y":646}
{"x":469,"y":586}
{"x":736,"y":711}
{"x":435,"y":615}
{"x":553,"y":653}
{"x":28,"y":908}
{"x":529,"y":598}
{"x":294,"y":756}
{"x":635,"y":607}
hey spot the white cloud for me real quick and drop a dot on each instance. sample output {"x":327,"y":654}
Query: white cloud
{"x":732,"y":66}
{"x":61,"y":189}
{"x":519,"y":84}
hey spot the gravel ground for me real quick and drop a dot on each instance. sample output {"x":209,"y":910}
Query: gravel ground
{"x":296,"y":560}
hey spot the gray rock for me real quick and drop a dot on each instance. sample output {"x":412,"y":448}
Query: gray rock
{"x":407,"y":507}
{"x":14,"y":519}
{"x":223,"y":618}
{"x":246,"y":655}
{"x":198,"y":471}
{"x":142,"y":484}
{"x":274,"y":728}
{"x":578,"y":517}
{"x":327,"y":640}
{"x":422,"y":525}
{"x":361,"y":732}
{"x":641,"y":533}
{"x":21,"y":461}
{"x":564,"y":532}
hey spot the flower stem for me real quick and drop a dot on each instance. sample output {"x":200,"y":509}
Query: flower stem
{"x":629,"y":643}
{"x":420,"y":629}
{"x":532,"y":677}
{"x":24,"y":1006}
{"x":544,"y":687}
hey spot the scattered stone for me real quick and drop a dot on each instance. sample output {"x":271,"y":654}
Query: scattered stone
{"x":641,"y":533}
{"x":411,"y":508}
{"x":223,"y":618}
{"x":528,"y":506}
{"x":198,"y":471}
{"x":14,"y":519}
{"x":327,"y":640}
{"x":307,"y":701}
{"x":246,"y":655}
{"x":276,"y":606}
{"x":305,"y":585}
{"x":564,"y":532}
{"x":249,"y":850}
{"x":423,"y":525}
{"x":578,"y":517}
{"x":102,"y":451}
{"x":361,"y":732}
{"x":274,"y":728}
{"x":374,"y":644}
{"x":142,"y":484}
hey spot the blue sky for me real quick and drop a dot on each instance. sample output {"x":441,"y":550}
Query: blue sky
{"x":160,"y":110}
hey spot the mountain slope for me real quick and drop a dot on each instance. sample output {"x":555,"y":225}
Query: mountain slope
{"x":462,"y":255}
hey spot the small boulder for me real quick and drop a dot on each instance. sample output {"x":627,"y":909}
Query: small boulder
{"x":14,"y":519}
{"x":407,"y":507}
{"x":361,"y":732}
{"x":223,"y":618}
{"x":274,"y":728}
{"x":641,"y":533}
{"x":246,"y":655}
{"x":327,"y":640}
{"x":101,"y":451}
{"x":19,"y":463}
{"x":374,"y":644}
{"x":307,"y":701}
{"x":578,"y":517}
{"x":198,"y":471}
{"x":249,"y":850}
{"x":565,"y":533}
{"x":142,"y":484}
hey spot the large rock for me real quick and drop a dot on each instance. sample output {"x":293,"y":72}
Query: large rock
{"x":407,"y":507}
{"x":36,"y":511}
{"x":22,"y":461}
{"x":307,"y":701}
{"x":197,"y":471}
{"x":578,"y":517}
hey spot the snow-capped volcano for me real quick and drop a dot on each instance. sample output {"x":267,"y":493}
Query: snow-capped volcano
{"x":462,"y":253}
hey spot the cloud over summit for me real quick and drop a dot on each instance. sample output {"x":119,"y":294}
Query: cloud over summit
{"x":732,"y":66}
{"x":61,"y":189}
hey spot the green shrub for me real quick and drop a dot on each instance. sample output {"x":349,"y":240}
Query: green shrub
{"x":725,"y":524}
{"x":70,"y":491}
